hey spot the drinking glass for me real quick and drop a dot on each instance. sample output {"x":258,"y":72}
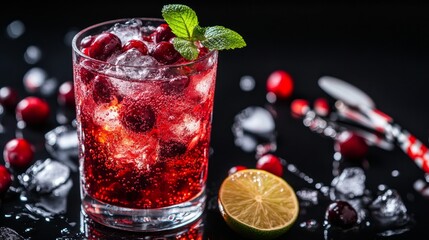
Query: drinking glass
{"x":144,"y":130}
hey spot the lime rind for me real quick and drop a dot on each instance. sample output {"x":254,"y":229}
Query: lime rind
{"x":265,"y":199}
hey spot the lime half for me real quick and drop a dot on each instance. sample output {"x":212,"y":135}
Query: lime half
{"x":258,"y":204}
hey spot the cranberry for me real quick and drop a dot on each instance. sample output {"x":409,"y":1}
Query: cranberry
{"x":5,"y":179}
{"x":321,"y":107}
{"x":171,"y":148}
{"x":299,"y":107}
{"x":103,"y":91}
{"x":85,"y":75}
{"x":165,"y":53}
{"x":8,"y":97}
{"x":341,"y":214}
{"x":175,"y":85}
{"x":162,"y":33}
{"x":104,"y":45}
{"x":33,"y":111}
{"x":136,"y":116}
{"x":66,"y":95}
{"x":86,"y":41}
{"x":280,"y":83}
{"x":351,"y":145}
{"x":137,"y":44}
{"x":270,"y":163}
{"x":236,"y":169}
{"x":18,"y":152}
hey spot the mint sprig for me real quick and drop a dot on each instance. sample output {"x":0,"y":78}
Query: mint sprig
{"x":183,"y":22}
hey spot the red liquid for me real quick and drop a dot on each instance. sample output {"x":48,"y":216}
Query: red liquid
{"x":144,"y":143}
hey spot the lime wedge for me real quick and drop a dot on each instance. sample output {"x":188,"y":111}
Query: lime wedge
{"x":258,"y":204}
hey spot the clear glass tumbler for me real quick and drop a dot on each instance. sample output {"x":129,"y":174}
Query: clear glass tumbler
{"x":144,"y":125}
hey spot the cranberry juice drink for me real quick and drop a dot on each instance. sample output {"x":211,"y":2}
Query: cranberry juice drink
{"x":144,"y":120}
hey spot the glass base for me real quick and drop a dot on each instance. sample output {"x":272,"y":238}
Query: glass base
{"x":144,"y":220}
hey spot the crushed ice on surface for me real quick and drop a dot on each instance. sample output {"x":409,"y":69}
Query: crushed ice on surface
{"x":350,"y":182}
{"x":62,"y":144}
{"x":254,"y":126}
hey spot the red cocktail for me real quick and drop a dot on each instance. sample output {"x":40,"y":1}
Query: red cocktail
{"x":144,"y":119}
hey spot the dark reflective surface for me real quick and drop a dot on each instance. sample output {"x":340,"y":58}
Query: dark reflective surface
{"x":381,"y":48}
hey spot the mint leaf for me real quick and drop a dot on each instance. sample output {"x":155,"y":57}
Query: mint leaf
{"x":186,"y":48}
{"x":221,"y":38}
{"x":181,"y":19}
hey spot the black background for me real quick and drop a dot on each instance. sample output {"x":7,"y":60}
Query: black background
{"x":383,"y":48}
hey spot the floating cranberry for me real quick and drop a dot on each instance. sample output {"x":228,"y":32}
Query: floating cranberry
{"x":165,"y":53}
{"x":136,"y":44}
{"x":33,"y":111}
{"x":86,"y":41}
{"x":104,"y":45}
{"x":136,"y":116}
{"x":321,"y":107}
{"x":175,"y":85}
{"x":270,"y":163}
{"x":85,"y":75}
{"x":171,"y":148}
{"x":8,"y":97}
{"x":351,"y":145}
{"x":236,"y":169}
{"x":280,"y":83}
{"x":5,"y":179}
{"x":162,"y":33}
{"x":103,"y":91}
{"x":18,"y":152}
{"x":341,"y":214}
{"x":299,"y":107}
{"x":66,"y":95}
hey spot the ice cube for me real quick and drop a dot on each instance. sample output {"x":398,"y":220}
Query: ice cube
{"x":128,"y":30}
{"x":255,"y":123}
{"x":62,"y":143}
{"x":308,"y":197}
{"x":350,"y":183}
{"x":107,"y":116}
{"x":389,"y":210}
{"x":131,"y":59}
{"x":9,"y":234}
{"x":44,"y":176}
{"x":187,"y":128}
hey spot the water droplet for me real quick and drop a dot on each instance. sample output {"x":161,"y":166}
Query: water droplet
{"x":271,"y":97}
{"x":32,"y":55}
{"x":395,"y":173}
{"x":247,"y":83}
{"x":15,"y":29}
{"x":310,"y":225}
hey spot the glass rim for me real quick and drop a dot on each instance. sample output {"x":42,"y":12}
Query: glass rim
{"x":118,"y":20}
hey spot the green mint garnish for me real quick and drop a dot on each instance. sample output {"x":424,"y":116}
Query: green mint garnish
{"x":183,"y":22}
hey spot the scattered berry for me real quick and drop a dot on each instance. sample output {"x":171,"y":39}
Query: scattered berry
{"x":165,"y":53}
{"x":280,"y":83}
{"x":5,"y":179}
{"x":104,"y":45}
{"x":351,"y":145}
{"x":18,"y":152}
{"x":341,"y":214}
{"x":321,"y":107}
{"x":66,"y":95}
{"x":299,"y":107}
{"x":136,"y":116}
{"x":270,"y":163}
{"x":236,"y":169}
{"x":8,"y":97}
{"x":33,"y":111}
